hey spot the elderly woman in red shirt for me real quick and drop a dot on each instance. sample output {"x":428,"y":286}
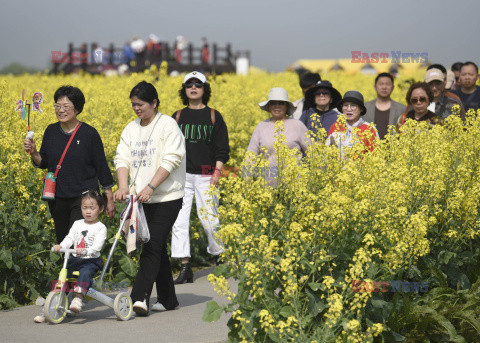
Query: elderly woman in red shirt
{"x":355,"y":129}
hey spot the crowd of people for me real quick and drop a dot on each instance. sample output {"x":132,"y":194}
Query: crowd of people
{"x":431,"y":100}
{"x":166,"y":161}
{"x":137,"y":54}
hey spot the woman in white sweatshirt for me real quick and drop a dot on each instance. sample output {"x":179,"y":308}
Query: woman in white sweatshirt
{"x":150,"y":163}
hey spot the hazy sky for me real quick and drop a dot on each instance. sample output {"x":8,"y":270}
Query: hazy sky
{"x":277,"y":32}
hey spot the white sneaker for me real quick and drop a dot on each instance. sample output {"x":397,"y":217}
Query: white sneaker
{"x":76,"y":305}
{"x":140,"y":307}
{"x":40,"y":318}
{"x":158,"y":307}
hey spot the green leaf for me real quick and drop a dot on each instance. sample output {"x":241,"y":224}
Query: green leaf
{"x":315,"y":304}
{"x":286,"y":311}
{"x":458,"y":339}
{"x":212,"y":313}
{"x":128,"y":266}
{"x":120,"y":277}
{"x":398,"y":337}
{"x":40,"y":262}
{"x":372,"y":271}
{"x":54,"y":257}
{"x":377,"y":303}
{"x":469,"y":317}
{"x":445,"y":256}
{"x":440,"y":276}
{"x":442,"y":321}
{"x":6,"y":257}
{"x":385,"y":306}
{"x":33,"y":294}
{"x":413,"y":272}
{"x":463,"y":281}
{"x":220,"y":269}
{"x":314,"y":286}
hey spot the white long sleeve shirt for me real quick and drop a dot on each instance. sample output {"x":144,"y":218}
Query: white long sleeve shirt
{"x":143,"y":149}
{"x":88,"y":236}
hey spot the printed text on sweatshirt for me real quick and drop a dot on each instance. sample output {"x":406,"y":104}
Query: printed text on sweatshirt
{"x":205,"y":142}
{"x":144,"y":149}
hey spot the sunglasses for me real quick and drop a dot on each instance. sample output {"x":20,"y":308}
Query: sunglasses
{"x":420,"y":100}
{"x":276,"y":103}
{"x":322,"y":92}
{"x":197,"y":84}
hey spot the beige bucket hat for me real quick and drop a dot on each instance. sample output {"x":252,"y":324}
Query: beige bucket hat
{"x":278,"y":94}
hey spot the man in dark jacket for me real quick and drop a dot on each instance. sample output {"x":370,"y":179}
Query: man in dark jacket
{"x":469,"y":93}
{"x":442,"y":105}
{"x":383,"y":111}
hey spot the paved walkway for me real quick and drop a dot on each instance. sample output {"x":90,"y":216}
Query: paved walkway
{"x":97,"y":322}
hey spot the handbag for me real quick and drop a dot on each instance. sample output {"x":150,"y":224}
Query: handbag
{"x":49,"y":180}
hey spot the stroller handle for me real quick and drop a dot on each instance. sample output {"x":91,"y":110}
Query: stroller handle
{"x":71,"y":251}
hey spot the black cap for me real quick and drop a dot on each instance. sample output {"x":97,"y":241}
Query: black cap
{"x":353,"y":96}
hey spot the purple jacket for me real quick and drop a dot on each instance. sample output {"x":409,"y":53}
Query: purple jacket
{"x":324,"y":120}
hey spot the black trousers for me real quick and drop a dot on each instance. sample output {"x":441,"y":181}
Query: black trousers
{"x":154,"y":261}
{"x":64,"y":213}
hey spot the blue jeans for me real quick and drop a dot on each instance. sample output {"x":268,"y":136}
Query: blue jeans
{"x":87,"y":267}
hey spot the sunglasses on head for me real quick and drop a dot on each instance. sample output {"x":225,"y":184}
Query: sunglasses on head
{"x":322,"y":92}
{"x":420,"y":100}
{"x":197,"y":84}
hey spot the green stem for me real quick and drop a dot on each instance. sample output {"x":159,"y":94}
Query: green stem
{"x":38,"y":253}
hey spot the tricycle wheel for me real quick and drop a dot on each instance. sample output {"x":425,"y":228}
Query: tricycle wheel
{"x":55,"y":308}
{"x":123,"y":306}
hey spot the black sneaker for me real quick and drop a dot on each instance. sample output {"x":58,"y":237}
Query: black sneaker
{"x":186,"y":275}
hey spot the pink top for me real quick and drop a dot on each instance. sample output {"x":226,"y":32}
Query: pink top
{"x":264,"y":135}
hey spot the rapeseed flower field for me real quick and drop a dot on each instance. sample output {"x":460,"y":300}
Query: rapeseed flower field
{"x":407,"y":211}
